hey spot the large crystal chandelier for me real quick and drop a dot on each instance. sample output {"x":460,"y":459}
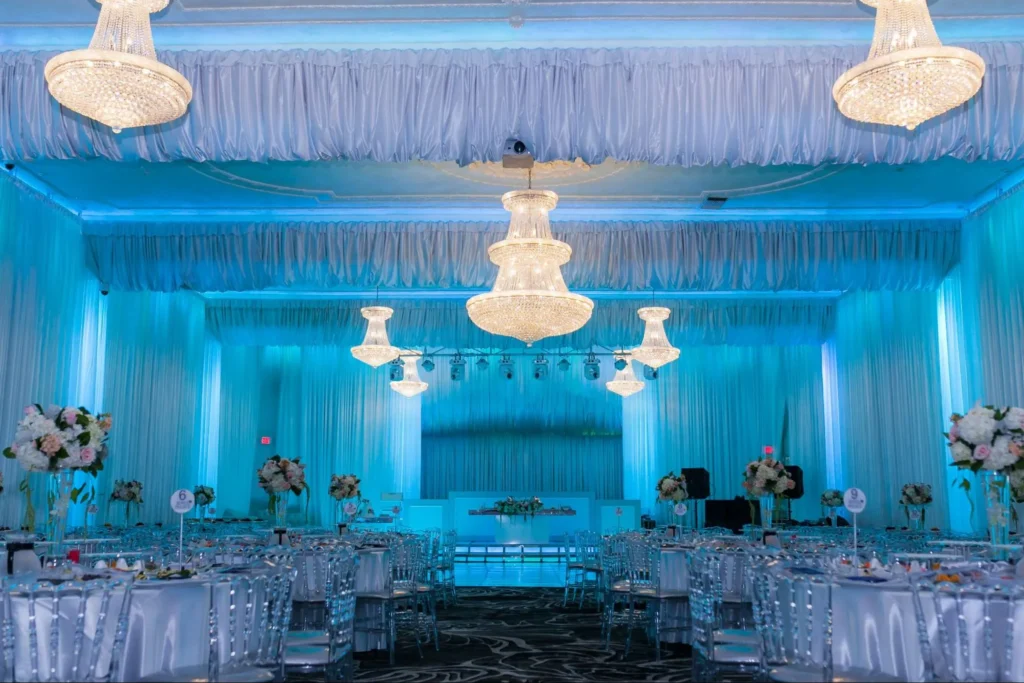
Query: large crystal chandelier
{"x":410,"y":385}
{"x":118,"y":80}
{"x":530,"y":300}
{"x":376,"y":349}
{"x":625,"y":382}
{"x":655,"y":349}
{"x":910,"y":76}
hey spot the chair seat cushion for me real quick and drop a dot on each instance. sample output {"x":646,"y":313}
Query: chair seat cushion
{"x":801,"y":673}
{"x":737,"y":635}
{"x":647,"y":591}
{"x":200,"y":674}
{"x":307,"y":638}
{"x":310,"y":655}
{"x":736,"y":653}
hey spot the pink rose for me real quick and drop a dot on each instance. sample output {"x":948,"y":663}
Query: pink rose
{"x":1015,"y":450}
{"x":50,"y":444}
{"x":982,"y":452}
{"x":31,"y":410}
{"x":790,"y":484}
{"x":746,"y":485}
{"x":954,"y":432}
{"x":70,"y":415}
{"x":106,"y":423}
{"x":88,"y":455}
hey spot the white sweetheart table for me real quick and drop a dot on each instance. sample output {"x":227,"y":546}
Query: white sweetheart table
{"x":532,"y":529}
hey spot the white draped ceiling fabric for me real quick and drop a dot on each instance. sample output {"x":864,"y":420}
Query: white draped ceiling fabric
{"x":854,"y":338}
{"x":682,"y":106}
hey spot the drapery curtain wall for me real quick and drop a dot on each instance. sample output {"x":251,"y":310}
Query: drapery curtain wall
{"x":664,"y":255}
{"x":682,"y":106}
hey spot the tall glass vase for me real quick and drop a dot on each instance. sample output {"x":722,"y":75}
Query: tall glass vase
{"x":59,"y":498}
{"x":997,"y":506}
{"x":767,"y":510}
{"x":916,"y":516}
{"x":281,"y":512}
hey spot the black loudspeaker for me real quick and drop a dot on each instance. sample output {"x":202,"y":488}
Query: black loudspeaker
{"x":797,"y":475}
{"x":698,"y":482}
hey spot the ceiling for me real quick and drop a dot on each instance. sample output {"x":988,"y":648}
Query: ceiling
{"x":266,"y":24}
{"x":101,"y":189}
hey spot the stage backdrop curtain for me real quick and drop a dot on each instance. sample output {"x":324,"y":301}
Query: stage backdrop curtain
{"x":340,"y":416}
{"x":487,"y":433}
{"x":153,"y":387}
{"x":688,"y":106}
{"x":890,"y":401}
{"x":444,"y":323}
{"x":716,"y":407}
{"x":51,"y":325}
{"x":618,"y":256}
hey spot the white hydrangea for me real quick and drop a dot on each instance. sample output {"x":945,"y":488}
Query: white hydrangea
{"x":1014,"y":419}
{"x":978,"y":426}
{"x":1001,"y":456}
{"x":961,"y":452}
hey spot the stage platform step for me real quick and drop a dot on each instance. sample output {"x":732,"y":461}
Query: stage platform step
{"x":484,"y":551}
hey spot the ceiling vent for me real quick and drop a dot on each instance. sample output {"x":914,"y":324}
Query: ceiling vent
{"x":712,"y":202}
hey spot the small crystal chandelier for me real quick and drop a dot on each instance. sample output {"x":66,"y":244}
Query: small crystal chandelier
{"x":118,"y":80}
{"x":909,"y":76}
{"x":625,"y":382}
{"x":376,"y":349}
{"x":655,"y":350}
{"x":530,"y":300}
{"x":410,"y":385}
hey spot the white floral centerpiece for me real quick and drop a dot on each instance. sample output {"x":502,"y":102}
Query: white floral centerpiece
{"x":990,"y":441}
{"x":277,"y":477}
{"x":831,"y":500}
{"x":58,"y":440}
{"x":204,"y":495}
{"x":915,"y":499}
{"x":672,"y":488}
{"x":345,"y":487}
{"x":766,"y":479}
{"x":512,"y":506}
{"x":129,"y":493}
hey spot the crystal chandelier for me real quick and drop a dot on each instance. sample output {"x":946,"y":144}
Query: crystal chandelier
{"x":655,"y":350}
{"x":118,"y":80}
{"x":410,"y":385}
{"x":625,"y":382}
{"x":376,"y":349}
{"x":530,"y":300}
{"x":909,"y":76}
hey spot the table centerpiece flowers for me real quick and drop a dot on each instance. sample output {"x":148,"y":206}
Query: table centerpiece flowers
{"x":765,"y":479}
{"x":277,"y":477}
{"x":671,"y":488}
{"x":832,"y":500}
{"x":58,"y":441}
{"x":512,"y":506}
{"x":915,"y":499}
{"x":129,"y":493}
{"x":348,"y":496}
{"x":990,"y":441}
{"x":204,"y":496}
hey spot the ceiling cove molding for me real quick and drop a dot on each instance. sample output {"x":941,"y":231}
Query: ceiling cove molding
{"x":417,"y":294}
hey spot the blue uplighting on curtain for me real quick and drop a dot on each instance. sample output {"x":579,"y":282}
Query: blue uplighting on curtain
{"x":890,"y":401}
{"x":155,"y":352}
{"x":716,"y":407}
{"x":487,"y":433}
{"x":445,"y":323}
{"x":51,"y":324}
{"x":618,"y":256}
{"x":656,"y":105}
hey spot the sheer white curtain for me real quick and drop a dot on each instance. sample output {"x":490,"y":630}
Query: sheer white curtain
{"x":716,"y":407}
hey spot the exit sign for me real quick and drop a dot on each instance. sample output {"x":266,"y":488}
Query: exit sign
{"x":265,"y":440}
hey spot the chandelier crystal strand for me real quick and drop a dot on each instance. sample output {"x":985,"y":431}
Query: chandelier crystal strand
{"x":376,"y":349}
{"x":530,"y":300}
{"x":625,"y":382}
{"x":118,"y":80}
{"x":410,"y":385}
{"x":909,"y":77}
{"x":655,"y":349}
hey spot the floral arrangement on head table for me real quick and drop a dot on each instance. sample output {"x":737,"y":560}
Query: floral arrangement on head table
{"x":512,"y":506}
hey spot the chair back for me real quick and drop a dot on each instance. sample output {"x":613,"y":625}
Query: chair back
{"x":342,"y":565}
{"x":793,"y":614}
{"x":643,"y":562}
{"x":311,"y":575}
{"x":65,"y":630}
{"x":976,"y":626}
{"x":407,"y":563}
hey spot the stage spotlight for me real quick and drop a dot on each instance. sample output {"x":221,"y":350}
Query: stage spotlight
{"x":506,"y":368}
{"x":483,"y":364}
{"x":540,"y":368}
{"x":396,"y":370}
{"x":427,"y":365}
{"x":591,"y":368}
{"x":563,"y":365}
{"x":458,"y":367}
{"x":650,"y":373}
{"x":620,"y":363}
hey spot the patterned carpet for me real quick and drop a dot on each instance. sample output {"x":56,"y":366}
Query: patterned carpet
{"x":523,"y":634}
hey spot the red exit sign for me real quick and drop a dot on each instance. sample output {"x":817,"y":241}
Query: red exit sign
{"x":265,"y":440}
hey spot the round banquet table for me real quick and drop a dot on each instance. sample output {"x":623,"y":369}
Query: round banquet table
{"x":874,"y":627}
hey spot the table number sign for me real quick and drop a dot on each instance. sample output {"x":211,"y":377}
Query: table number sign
{"x":182,"y":502}
{"x":680,"y":509}
{"x":855,"y":501}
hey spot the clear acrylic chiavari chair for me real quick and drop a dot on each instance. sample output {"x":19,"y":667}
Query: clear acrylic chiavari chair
{"x":445,"y":575}
{"x":65,"y":630}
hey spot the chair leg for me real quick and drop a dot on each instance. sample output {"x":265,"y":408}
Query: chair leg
{"x":629,"y":626}
{"x":389,"y":624}
{"x":656,"y":606}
